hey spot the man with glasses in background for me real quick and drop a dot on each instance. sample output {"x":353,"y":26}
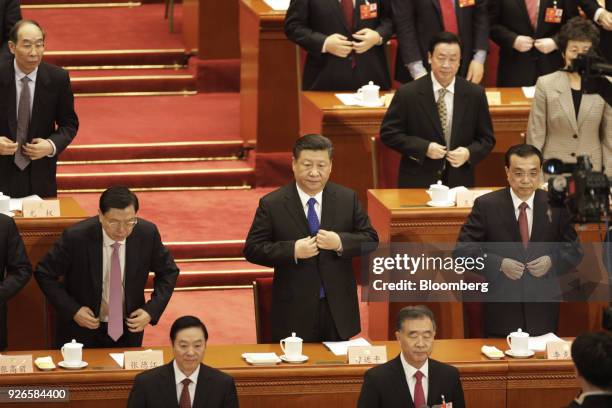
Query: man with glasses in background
{"x":440,"y":123}
{"x":104,"y":262}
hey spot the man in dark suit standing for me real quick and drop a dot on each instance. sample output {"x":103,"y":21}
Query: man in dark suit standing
{"x":526,"y":244}
{"x":412,"y":379}
{"x":105,"y":262}
{"x":185,"y":380}
{"x":344,"y":40}
{"x":592,"y":355}
{"x":601,"y":14}
{"x":15,"y":269}
{"x":526,"y":31}
{"x":417,"y":22}
{"x":37,"y":118}
{"x":309,"y":232}
{"x":10,"y":13}
{"x":440,"y":123}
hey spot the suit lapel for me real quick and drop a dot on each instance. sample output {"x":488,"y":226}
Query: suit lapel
{"x":296,"y":211}
{"x":458,"y":111}
{"x":428,"y":103}
{"x":168,"y":386}
{"x":203,"y":389}
{"x":40,"y":93}
{"x":507,"y":214}
{"x":540,"y":218}
{"x":337,"y":10}
{"x":433,"y":383}
{"x":132,"y":250}
{"x":566,"y":102}
{"x":586,"y":104}
{"x":328,"y":208}
{"x":399,"y":377}
{"x":436,"y":5}
{"x":95,"y":249}
{"x":9,"y":84}
{"x":523,"y":8}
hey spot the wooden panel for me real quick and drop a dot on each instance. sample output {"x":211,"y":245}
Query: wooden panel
{"x":211,"y":28}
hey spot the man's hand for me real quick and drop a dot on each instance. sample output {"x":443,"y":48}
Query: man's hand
{"x":306,"y":248}
{"x":458,"y":156}
{"x":138,"y":320}
{"x":38,"y":149}
{"x":85,"y":318}
{"x":7,"y":146}
{"x":475,"y":72}
{"x":539,"y":266}
{"x":512,"y":269}
{"x":436,"y":151}
{"x":545,"y":45}
{"x":523,"y":43}
{"x":367,"y":39}
{"x":328,"y":240}
{"x":338,"y":45}
{"x":605,"y":20}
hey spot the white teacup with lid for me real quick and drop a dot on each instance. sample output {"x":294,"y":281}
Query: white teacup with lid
{"x":368,"y":94}
{"x":439,"y":193}
{"x":72,"y":353}
{"x":292,"y":347}
{"x":518,"y":342}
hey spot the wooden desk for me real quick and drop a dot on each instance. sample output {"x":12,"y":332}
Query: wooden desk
{"x":501,"y":383}
{"x":400,"y":215}
{"x":211,"y":28}
{"x":351,"y":128}
{"x":269,"y":112}
{"x":27,"y":312}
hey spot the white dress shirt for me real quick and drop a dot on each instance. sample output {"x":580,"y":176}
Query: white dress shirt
{"x":19,"y":74}
{"x":448,"y":99}
{"x":179,"y":377}
{"x":304,"y":199}
{"x":107,"y":253}
{"x":516,"y":201}
{"x":409,"y":371}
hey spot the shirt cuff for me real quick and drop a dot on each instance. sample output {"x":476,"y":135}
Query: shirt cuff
{"x":597,"y":14}
{"x":416,"y":69}
{"x":480,"y":56}
{"x":339,"y":250}
{"x":324,"y":49}
{"x":53,"y":146}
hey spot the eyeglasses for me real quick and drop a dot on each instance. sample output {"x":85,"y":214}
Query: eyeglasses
{"x":28,"y":45}
{"x":521,"y":175}
{"x":115,"y":224}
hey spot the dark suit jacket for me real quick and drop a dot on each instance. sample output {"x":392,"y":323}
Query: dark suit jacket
{"x":605,"y":45}
{"x":10,"y":13}
{"x":493,"y":221}
{"x":280,"y":221}
{"x":53,"y":118}
{"x":594,"y":401}
{"x":156,"y":388}
{"x":509,"y":19}
{"x":417,"y":21}
{"x":385,"y":386}
{"x":412,"y":122}
{"x":15,"y":269}
{"x":309,"y":22}
{"x":77,"y":257}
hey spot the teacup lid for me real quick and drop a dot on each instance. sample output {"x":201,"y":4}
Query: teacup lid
{"x":519,"y":333}
{"x":292,"y":339}
{"x":438,"y":186}
{"x":73,"y":344}
{"x":371,"y":85}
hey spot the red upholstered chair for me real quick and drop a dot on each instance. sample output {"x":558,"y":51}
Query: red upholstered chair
{"x":262,"y":296}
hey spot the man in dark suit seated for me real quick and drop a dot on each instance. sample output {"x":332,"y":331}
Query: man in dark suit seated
{"x":526,"y":245}
{"x":440,"y":123}
{"x":10,"y":13}
{"x":592,"y":355}
{"x":345,"y":41}
{"x":37,"y":118}
{"x":105,"y":262}
{"x":15,"y":269}
{"x":185,"y":380}
{"x":412,"y":379}
{"x":309,"y":232}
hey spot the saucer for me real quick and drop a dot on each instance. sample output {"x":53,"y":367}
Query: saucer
{"x":63,"y":364}
{"x":526,"y":354}
{"x":301,"y":359}
{"x":261,"y":363}
{"x":379,"y":104}
{"x":441,"y":203}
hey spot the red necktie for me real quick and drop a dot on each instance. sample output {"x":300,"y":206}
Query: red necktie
{"x":449,"y":17}
{"x":347,"y":10}
{"x":523,"y":224}
{"x":185,"y":401}
{"x":532,"y":10}
{"x":419,"y":394}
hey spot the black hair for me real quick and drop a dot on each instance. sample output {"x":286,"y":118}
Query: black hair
{"x":414,"y":313}
{"x":187,"y":322}
{"x":592,"y":355}
{"x":14,"y":33}
{"x":119,"y":197}
{"x":523,"y":150}
{"x":443,"y":37}
{"x":312,"y":141}
{"x":578,"y":29}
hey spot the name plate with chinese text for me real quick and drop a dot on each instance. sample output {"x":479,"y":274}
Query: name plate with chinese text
{"x":16,"y":364}
{"x":143,"y":360}
{"x":367,"y":354}
{"x":41,"y":209}
{"x":558,"y":350}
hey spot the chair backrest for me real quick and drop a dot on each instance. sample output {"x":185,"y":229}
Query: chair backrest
{"x":385,"y":164}
{"x":262,"y":297}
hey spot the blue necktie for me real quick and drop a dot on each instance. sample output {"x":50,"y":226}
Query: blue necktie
{"x":313,"y":225}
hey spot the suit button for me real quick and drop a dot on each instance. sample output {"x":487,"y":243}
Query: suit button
{"x":573,"y":154}
{"x":439,"y":172}
{"x":575,"y":136}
